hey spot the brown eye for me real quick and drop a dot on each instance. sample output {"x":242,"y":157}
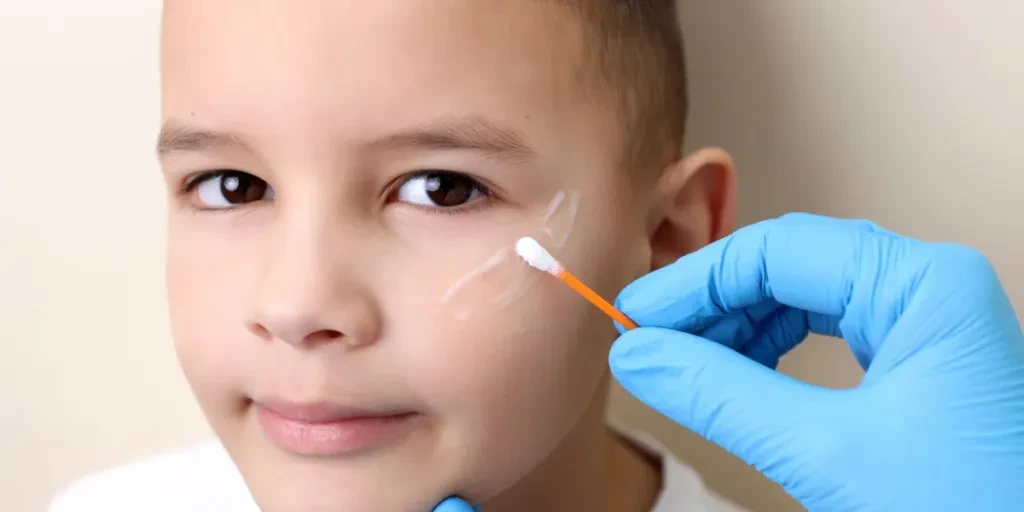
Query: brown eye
{"x":227,"y":189}
{"x":440,"y":189}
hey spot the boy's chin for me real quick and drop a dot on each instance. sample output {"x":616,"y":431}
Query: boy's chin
{"x":385,"y":482}
{"x":394,"y":501}
{"x":337,"y":502}
{"x":283,"y":490}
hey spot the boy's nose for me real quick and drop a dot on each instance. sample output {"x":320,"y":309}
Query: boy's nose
{"x":307,"y":303}
{"x":303,"y":323}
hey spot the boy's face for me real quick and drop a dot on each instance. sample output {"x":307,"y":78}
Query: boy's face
{"x":343,"y":298}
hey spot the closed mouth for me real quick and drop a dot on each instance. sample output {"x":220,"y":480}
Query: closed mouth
{"x":318,"y":428}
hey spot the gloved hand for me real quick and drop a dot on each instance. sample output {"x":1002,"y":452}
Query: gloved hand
{"x":937,"y":423}
{"x":454,"y":505}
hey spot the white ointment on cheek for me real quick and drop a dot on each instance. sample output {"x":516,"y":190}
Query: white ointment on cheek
{"x":561,"y":218}
{"x":504,"y":273}
{"x":488,"y":266}
{"x":488,"y":287}
{"x":553,"y":207}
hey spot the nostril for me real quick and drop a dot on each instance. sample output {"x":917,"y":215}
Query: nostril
{"x":259,"y":330}
{"x":323,"y":335}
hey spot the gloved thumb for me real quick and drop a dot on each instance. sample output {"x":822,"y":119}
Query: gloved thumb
{"x":757,"y":414}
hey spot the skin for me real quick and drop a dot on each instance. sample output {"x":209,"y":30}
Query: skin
{"x":330,"y":288}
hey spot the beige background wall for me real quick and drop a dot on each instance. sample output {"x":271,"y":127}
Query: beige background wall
{"x":908,"y":112}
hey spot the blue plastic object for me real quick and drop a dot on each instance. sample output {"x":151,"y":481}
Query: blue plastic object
{"x":937,"y":423}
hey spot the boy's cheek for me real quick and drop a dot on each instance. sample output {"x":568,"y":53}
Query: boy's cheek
{"x":487,"y":322}
{"x":496,"y":373}
{"x":491,"y":378}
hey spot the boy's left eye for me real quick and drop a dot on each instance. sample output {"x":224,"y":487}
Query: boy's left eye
{"x":440,"y":189}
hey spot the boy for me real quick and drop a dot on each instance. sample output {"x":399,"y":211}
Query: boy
{"x":345,"y":180}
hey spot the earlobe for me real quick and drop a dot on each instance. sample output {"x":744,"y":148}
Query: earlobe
{"x":696,"y":205}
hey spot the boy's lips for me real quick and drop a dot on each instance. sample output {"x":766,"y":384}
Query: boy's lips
{"x":324,"y":429}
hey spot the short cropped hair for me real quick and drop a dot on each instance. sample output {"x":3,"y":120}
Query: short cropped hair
{"x":636,"y":47}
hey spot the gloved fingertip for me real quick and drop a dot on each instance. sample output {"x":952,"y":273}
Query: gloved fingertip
{"x":641,"y":349}
{"x":623,"y":298}
{"x":455,"y":505}
{"x":624,"y":346}
{"x":619,"y":327}
{"x":642,"y":296}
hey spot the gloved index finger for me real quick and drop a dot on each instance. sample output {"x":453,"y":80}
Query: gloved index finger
{"x":803,"y":261}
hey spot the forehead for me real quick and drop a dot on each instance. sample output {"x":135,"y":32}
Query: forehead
{"x":361,"y":66}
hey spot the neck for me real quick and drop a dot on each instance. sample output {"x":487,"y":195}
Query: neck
{"x":594,"y":469}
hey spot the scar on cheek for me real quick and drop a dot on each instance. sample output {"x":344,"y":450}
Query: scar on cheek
{"x":503,"y":274}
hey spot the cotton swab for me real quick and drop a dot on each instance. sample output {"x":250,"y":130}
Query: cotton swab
{"x":539,"y":258}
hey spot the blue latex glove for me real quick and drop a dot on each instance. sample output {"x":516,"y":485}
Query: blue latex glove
{"x":455,"y":505}
{"x":937,"y":423}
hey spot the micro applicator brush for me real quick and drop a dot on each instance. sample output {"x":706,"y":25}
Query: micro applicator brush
{"x":539,"y":258}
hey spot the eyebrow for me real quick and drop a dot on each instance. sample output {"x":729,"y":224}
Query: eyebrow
{"x":176,"y":136}
{"x":466,"y":133}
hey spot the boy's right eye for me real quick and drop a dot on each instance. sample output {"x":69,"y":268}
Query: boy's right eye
{"x":228,"y":189}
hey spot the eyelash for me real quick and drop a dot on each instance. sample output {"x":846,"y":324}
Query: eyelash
{"x":192,"y":183}
{"x":487,"y":198}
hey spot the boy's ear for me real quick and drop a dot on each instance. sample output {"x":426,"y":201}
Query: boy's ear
{"x":695,"y":204}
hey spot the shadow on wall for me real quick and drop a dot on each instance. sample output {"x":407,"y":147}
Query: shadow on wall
{"x":747,"y":95}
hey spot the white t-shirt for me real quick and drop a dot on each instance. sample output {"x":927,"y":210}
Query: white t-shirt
{"x":204,"y":479}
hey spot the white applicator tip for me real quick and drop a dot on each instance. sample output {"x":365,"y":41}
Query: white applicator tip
{"x":537,"y":256}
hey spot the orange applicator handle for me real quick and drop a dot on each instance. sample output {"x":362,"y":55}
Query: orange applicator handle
{"x":595,"y":299}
